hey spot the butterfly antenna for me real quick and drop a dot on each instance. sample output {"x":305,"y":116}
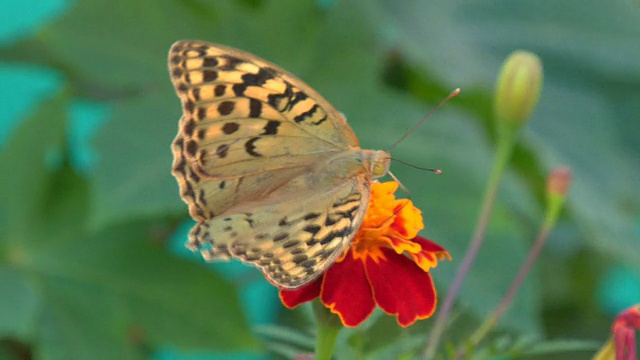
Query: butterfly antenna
{"x":453,"y":94}
{"x":435,"y":171}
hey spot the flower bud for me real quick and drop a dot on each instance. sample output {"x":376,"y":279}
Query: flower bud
{"x":559,"y":181}
{"x":518,"y":87}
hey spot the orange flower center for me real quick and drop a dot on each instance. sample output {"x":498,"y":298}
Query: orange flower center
{"x":388,"y":223}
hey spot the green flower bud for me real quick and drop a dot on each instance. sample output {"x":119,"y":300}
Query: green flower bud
{"x":518,"y":87}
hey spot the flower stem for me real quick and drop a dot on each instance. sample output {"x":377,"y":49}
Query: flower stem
{"x":492,"y":320}
{"x":558,"y":183}
{"x":327,"y":331}
{"x":503,"y":154}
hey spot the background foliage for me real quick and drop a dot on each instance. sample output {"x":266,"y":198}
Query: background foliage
{"x":91,"y":224}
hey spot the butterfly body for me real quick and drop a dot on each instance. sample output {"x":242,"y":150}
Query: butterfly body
{"x":271,"y":172}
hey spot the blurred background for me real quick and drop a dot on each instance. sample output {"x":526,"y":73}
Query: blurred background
{"x":92,"y":263}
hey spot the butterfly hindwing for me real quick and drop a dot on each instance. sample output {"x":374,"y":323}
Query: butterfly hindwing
{"x":292,"y":241}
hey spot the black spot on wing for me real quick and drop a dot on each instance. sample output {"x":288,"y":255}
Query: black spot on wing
{"x":196,"y":93}
{"x":259,"y":78}
{"x":177,"y":72}
{"x":226,"y":107}
{"x":230,"y":62}
{"x":209,"y":75}
{"x":219,"y":90}
{"x":311,"y":216}
{"x":209,"y":62}
{"x":271,"y":128}
{"x":191,"y":148}
{"x":290,"y":243}
{"x":299,"y":258}
{"x":281,"y":101}
{"x":280,"y":237}
{"x":222,"y":151}
{"x":230,"y":127}
{"x":340,"y":233}
{"x":255,"y":108}
{"x":302,"y":117}
{"x":189,"y":127}
{"x":312,"y":229}
{"x":189,"y":106}
{"x":250,"y":147}
{"x":202,"y":113}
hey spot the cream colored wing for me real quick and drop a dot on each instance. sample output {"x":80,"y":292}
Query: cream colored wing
{"x":247,"y":127}
{"x":292,"y":237}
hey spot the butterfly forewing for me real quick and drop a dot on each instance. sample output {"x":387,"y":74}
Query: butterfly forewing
{"x":256,"y":147}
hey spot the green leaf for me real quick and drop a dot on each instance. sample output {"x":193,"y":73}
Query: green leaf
{"x":25,"y":164}
{"x":133,"y":176}
{"x":287,"y":335}
{"x":135,"y":294}
{"x":100,"y":295}
{"x":18,"y":304}
{"x":126,"y":48}
{"x":582,"y":119}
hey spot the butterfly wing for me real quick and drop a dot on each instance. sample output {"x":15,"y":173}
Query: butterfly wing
{"x":290,"y":240}
{"x":247,"y":126}
{"x":247,"y":158}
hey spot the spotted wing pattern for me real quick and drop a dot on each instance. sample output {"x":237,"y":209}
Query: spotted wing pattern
{"x":292,"y":241}
{"x":244,"y":158}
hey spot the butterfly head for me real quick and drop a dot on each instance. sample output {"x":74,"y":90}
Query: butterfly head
{"x":377,"y":163}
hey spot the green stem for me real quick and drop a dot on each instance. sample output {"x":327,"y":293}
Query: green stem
{"x":329,"y":327}
{"x":551,"y":216}
{"x":506,"y":140}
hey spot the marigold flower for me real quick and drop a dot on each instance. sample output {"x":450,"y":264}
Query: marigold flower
{"x":387,"y":265}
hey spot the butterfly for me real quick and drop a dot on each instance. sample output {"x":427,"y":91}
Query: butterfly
{"x":271,"y":172}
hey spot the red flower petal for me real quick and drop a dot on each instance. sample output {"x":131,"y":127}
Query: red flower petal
{"x":293,"y":298}
{"x":429,"y":254}
{"x":430,"y":246}
{"x":402,"y":288}
{"x":347,"y":292}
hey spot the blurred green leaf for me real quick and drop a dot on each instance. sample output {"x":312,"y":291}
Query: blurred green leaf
{"x":133,"y":175}
{"x":99,"y":295}
{"x":118,"y":43}
{"x":25,"y":163}
{"x":133,"y":293}
{"x":287,"y":335}
{"x":559,"y":346}
{"x":588,"y":57}
{"x":18,"y":304}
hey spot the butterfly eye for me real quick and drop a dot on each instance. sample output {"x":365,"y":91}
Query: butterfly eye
{"x":379,"y":169}
{"x":379,"y":163}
